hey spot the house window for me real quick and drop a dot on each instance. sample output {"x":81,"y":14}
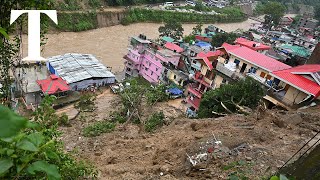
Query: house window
{"x":262,"y":74}
{"x":224,"y":81}
{"x":146,"y":69}
{"x":253,"y":70}
{"x":151,"y":73}
{"x":157,"y":69}
{"x":237,"y":62}
{"x":174,"y":76}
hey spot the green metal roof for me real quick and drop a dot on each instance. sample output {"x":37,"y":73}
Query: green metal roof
{"x":297,"y":50}
{"x":168,"y":39}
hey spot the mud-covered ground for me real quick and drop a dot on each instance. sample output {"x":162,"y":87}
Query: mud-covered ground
{"x":129,"y":153}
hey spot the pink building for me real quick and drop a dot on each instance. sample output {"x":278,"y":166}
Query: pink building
{"x":143,"y":60}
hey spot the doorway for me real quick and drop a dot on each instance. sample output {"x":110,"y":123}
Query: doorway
{"x":243,"y":68}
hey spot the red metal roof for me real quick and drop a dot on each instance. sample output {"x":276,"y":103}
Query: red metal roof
{"x":298,"y":81}
{"x":229,"y":47}
{"x":308,"y":68}
{"x":53,"y":85}
{"x":250,"y":44}
{"x":205,"y":56}
{"x":173,"y":47}
{"x":265,"y":62}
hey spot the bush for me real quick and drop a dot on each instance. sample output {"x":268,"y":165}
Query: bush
{"x":86,"y":102}
{"x":146,"y":15}
{"x":156,"y":120}
{"x":77,"y":21}
{"x":98,"y":128}
{"x":64,"y":119}
{"x":68,"y":5}
{"x":246,"y":92}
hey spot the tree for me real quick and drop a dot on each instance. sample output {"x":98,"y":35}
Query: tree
{"x":10,"y":47}
{"x":317,"y":12}
{"x":197,"y":29}
{"x":29,"y":151}
{"x":231,"y":98}
{"x":172,"y":29}
{"x":220,"y":38}
{"x":275,"y":10}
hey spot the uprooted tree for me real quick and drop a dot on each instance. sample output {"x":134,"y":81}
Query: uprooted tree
{"x":137,"y":96}
{"x":239,"y":97}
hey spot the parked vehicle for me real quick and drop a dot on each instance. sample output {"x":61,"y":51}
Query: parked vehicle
{"x":190,"y":3}
{"x":166,"y":4}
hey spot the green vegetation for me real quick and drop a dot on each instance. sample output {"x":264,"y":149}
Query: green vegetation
{"x":317,"y":11}
{"x":275,"y":10}
{"x":77,"y":21}
{"x":30,"y":150}
{"x":94,"y":3}
{"x":231,"y":98}
{"x":156,"y":120}
{"x":156,"y":94}
{"x":239,"y":170}
{"x":197,"y":29}
{"x":145,"y":15}
{"x":189,"y":38}
{"x":86,"y":102}
{"x":220,"y":38}
{"x":171,"y":29}
{"x":98,"y":128}
{"x":68,"y":5}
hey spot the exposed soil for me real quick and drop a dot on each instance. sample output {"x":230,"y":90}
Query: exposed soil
{"x":129,"y":153}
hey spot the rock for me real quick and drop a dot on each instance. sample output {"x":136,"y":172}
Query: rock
{"x":97,"y":154}
{"x":195,"y":126}
{"x":249,"y":158}
{"x":280,"y":123}
{"x":149,"y":146}
{"x":294,"y":119}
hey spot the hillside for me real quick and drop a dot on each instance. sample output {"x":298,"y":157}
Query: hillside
{"x":263,"y":143}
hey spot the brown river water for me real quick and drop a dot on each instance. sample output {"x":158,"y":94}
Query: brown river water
{"x":109,"y":44}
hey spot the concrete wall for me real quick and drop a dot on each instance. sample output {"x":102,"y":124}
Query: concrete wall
{"x":106,"y":19}
{"x":294,"y":96}
{"x":218,"y":81}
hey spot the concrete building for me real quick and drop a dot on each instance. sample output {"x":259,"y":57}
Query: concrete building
{"x":297,"y":86}
{"x":306,"y":22}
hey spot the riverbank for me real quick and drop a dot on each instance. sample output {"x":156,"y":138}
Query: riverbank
{"x":109,"y":44}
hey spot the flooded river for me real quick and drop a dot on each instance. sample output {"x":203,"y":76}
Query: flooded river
{"x":109,"y":44}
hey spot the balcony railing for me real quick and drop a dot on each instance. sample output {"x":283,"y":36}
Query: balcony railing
{"x":232,"y":74}
{"x":194,"y":102}
{"x":202,"y":79}
{"x":193,"y":89}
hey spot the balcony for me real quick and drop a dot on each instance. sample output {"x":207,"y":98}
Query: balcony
{"x":232,"y":74}
{"x":202,"y":79}
{"x":194,"y":102}
{"x":132,"y":59}
{"x":257,"y":78}
{"x":194,"y":90}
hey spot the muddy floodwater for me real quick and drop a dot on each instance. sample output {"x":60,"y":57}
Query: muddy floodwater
{"x":109,"y":44}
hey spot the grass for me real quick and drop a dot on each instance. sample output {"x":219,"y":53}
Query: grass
{"x":98,"y":128}
{"x":156,"y":120}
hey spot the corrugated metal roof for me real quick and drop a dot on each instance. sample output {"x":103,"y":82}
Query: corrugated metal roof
{"x":258,"y":59}
{"x":74,"y":67}
{"x":299,"y":81}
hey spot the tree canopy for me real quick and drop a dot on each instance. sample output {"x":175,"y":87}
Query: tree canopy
{"x":317,"y":12}
{"x":172,"y":29}
{"x":274,"y":10}
{"x":220,"y":38}
{"x":231,"y":98}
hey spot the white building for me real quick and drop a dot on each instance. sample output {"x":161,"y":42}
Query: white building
{"x":80,"y":70}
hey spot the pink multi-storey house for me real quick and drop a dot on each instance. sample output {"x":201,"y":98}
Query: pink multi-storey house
{"x":143,"y":60}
